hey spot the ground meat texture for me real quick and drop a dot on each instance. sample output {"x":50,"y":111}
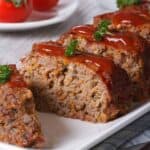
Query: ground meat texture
{"x":83,"y":86}
{"x":133,"y":18}
{"x":126,"y":49}
{"x":18,"y":119}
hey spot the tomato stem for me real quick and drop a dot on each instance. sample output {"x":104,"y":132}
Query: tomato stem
{"x":17,"y":3}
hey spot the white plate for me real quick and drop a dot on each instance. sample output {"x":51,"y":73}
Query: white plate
{"x":69,"y":134}
{"x":62,"y":12}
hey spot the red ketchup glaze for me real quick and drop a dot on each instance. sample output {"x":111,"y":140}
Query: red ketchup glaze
{"x":133,"y":18}
{"x":126,"y":41}
{"x":102,"y":66}
{"x":133,"y":15}
{"x":16,"y":79}
{"x":107,"y":16}
{"x":49,"y":48}
{"x":86,"y":31}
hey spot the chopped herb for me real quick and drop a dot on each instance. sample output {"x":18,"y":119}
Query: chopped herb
{"x":124,"y":3}
{"x":5,"y":73}
{"x":70,"y":50}
{"x":17,"y":3}
{"x":102,"y":30}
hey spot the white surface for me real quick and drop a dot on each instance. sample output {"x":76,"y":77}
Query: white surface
{"x":69,"y":134}
{"x":62,"y":133}
{"x":62,"y":12}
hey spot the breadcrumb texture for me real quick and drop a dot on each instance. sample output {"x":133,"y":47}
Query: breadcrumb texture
{"x":70,"y":88}
{"x":19,"y":124}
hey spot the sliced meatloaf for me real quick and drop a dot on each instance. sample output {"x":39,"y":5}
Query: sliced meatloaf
{"x":18,"y":119}
{"x":126,"y":49}
{"x":82,"y":86}
{"x":134,"y":19}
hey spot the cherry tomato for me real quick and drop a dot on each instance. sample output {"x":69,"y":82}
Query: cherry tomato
{"x":44,"y":5}
{"x":15,"y":11}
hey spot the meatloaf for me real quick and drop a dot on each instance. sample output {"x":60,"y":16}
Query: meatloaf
{"x":133,"y":18}
{"x":126,"y":49}
{"x":19,"y":124}
{"x":82,"y":86}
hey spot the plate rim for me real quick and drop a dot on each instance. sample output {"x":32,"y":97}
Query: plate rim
{"x":129,"y":118}
{"x":38,"y":24}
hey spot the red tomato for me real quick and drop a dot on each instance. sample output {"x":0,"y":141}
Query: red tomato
{"x":44,"y":5}
{"x":9,"y":12}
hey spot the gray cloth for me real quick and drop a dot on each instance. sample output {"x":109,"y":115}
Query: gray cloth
{"x":119,"y":140}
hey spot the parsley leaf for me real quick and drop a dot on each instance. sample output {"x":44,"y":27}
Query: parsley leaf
{"x":5,"y":73}
{"x":70,"y":50}
{"x":102,"y":30}
{"x":124,"y":3}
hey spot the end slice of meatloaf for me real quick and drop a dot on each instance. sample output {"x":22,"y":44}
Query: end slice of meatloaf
{"x":126,"y":49}
{"x":82,"y":86}
{"x":19,"y":124}
{"x":134,"y":19}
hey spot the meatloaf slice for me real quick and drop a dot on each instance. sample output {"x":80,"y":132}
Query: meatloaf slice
{"x":126,"y":49}
{"x":82,"y":86}
{"x":134,"y":19}
{"x":19,"y":124}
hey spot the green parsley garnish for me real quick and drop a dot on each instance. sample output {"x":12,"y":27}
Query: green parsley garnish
{"x":102,"y":30}
{"x":124,"y":3}
{"x":70,"y":50}
{"x":5,"y":73}
{"x":17,"y":3}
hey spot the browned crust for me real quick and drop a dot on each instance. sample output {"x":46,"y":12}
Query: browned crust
{"x":119,"y":92}
{"x":129,"y":60}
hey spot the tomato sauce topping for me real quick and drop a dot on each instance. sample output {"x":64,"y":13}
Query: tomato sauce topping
{"x":126,"y":41}
{"x":133,"y":15}
{"x":102,"y":66}
{"x":133,"y":18}
{"x":16,"y":79}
